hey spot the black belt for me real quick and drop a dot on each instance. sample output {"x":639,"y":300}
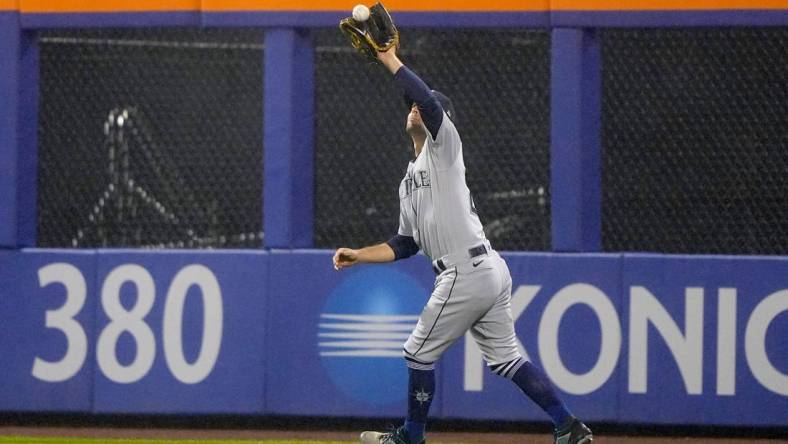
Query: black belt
{"x":439,"y":267}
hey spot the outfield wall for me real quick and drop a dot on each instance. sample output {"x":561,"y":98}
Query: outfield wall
{"x":626,"y":338}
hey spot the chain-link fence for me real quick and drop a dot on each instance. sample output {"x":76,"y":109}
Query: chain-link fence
{"x":150,"y":138}
{"x":499,"y":83}
{"x":695,"y":140}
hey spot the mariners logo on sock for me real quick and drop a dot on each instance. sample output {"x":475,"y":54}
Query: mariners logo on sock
{"x":422,"y":396}
{"x":363,"y":327}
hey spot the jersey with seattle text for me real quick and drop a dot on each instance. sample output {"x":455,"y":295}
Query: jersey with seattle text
{"x":436,"y":207}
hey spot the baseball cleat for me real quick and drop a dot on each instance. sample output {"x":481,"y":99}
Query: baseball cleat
{"x":396,"y":436}
{"x":574,"y":433}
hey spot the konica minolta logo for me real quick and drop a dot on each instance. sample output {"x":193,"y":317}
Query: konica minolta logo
{"x":359,"y":335}
{"x":362,"y":329}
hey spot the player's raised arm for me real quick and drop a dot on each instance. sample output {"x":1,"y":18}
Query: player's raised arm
{"x":415,"y":89}
{"x":372,"y":32}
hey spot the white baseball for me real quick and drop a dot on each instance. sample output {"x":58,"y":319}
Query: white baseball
{"x":361,"y":13}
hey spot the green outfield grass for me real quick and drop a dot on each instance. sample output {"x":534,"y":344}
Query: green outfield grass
{"x":31,"y":440}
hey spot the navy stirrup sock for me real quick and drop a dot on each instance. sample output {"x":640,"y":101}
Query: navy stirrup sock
{"x":421,"y":389}
{"x":534,"y":383}
{"x":415,"y":431}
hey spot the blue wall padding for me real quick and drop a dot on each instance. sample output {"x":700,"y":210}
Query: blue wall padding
{"x":435,"y":19}
{"x":111,"y":19}
{"x":23,"y":336}
{"x":669,"y":19}
{"x":299,"y":338}
{"x":575,"y":116}
{"x":235,"y":382}
{"x":288,"y":130}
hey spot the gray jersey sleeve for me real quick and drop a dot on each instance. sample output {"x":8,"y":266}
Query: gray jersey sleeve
{"x":446,"y":146}
{"x":405,"y":228}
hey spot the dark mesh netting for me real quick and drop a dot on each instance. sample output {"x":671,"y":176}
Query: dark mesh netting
{"x":499,"y":83}
{"x":695,"y":140}
{"x":150,"y":138}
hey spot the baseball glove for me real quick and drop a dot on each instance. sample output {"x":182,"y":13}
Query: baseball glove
{"x":373,"y":35}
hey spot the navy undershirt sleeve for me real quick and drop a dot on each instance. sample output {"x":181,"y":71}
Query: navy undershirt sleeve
{"x":403,"y":246}
{"x":429,"y":106}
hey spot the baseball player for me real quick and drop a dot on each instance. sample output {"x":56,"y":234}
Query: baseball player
{"x":473,"y":286}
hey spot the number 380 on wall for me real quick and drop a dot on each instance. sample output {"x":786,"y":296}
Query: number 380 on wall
{"x":132,"y":322}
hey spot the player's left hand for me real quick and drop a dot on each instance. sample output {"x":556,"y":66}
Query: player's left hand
{"x":377,"y":33}
{"x":345,"y":257}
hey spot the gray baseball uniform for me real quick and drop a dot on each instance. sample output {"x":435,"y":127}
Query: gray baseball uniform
{"x":473,"y":287}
